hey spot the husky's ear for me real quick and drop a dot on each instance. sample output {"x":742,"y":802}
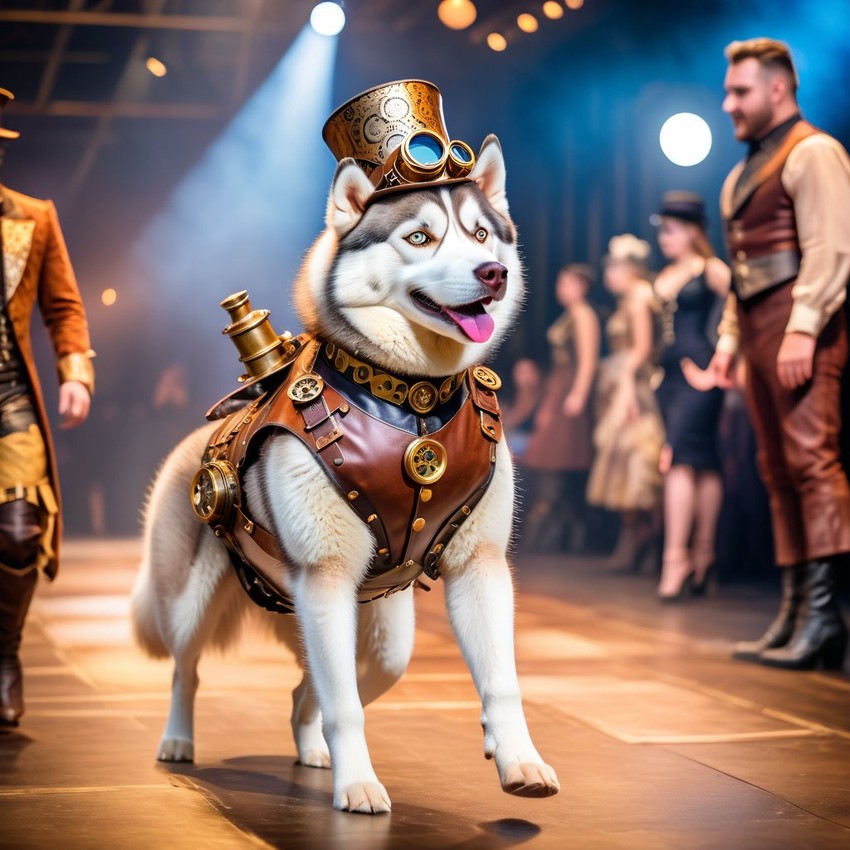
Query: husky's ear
{"x":489,"y":173}
{"x":350,"y":191}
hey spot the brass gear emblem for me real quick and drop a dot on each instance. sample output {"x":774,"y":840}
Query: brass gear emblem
{"x":214,"y":491}
{"x":422,"y":397}
{"x":425,"y":460}
{"x":487,"y":378}
{"x":306,"y":389}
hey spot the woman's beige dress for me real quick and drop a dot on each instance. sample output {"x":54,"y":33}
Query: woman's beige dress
{"x":625,"y":475}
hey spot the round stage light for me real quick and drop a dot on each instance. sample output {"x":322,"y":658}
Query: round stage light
{"x":496,"y":41}
{"x":685,"y":139}
{"x":553,"y":10}
{"x":108,"y":297}
{"x":327,"y":18}
{"x":457,"y":14}
{"x":527,"y":23}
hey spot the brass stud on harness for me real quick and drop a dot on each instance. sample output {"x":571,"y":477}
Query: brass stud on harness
{"x":418,"y":524}
{"x":305,"y":389}
{"x":487,"y":378}
{"x":422,"y":397}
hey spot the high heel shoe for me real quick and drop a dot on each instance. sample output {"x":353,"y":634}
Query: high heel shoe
{"x":706,"y":584}
{"x":685,"y":588}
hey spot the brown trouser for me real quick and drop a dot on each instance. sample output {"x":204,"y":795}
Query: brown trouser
{"x":797,"y":432}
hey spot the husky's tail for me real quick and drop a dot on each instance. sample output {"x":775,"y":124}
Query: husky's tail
{"x":170,"y":538}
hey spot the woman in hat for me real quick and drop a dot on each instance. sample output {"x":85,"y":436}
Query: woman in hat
{"x":559,"y":450}
{"x":690,"y":290}
{"x":629,"y":433}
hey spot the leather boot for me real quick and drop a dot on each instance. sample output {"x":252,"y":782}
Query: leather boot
{"x":820,"y":636}
{"x":15,"y":595}
{"x":780,"y":631}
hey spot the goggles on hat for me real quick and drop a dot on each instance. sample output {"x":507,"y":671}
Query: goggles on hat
{"x":424,"y":156}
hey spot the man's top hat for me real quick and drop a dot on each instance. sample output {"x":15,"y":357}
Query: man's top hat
{"x":5,"y":97}
{"x":687,"y":206}
{"x":397,"y":134}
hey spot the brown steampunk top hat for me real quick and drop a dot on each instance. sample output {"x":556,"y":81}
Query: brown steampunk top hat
{"x":5,"y":97}
{"x":397,"y":134}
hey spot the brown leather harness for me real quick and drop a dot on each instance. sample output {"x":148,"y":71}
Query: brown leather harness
{"x":413,"y":490}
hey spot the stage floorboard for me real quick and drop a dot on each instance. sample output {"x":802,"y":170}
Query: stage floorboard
{"x":659,"y":739}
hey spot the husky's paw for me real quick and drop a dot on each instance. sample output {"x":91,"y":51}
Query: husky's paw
{"x":175,"y":749}
{"x":530,"y":779}
{"x":368,"y":798}
{"x":315,"y":758}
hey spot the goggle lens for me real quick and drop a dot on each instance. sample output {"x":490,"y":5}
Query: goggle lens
{"x":425,"y":149}
{"x":461,"y":154}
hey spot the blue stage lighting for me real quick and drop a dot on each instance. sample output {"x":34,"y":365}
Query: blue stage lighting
{"x":244,"y":216}
{"x":685,"y":139}
{"x":327,"y":18}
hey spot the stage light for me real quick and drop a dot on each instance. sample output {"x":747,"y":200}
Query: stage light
{"x":574,"y":4}
{"x":527,"y":23}
{"x":457,"y":14}
{"x":327,"y":18}
{"x":685,"y":139}
{"x":496,"y":41}
{"x":156,"y":67}
{"x":243,"y":216}
{"x":108,"y":297}
{"x":553,"y":10}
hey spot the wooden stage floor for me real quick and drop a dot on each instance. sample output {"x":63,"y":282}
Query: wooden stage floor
{"x":659,"y":740}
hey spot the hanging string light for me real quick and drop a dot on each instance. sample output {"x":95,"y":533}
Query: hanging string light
{"x":496,"y":41}
{"x":553,"y":10}
{"x":527,"y":23}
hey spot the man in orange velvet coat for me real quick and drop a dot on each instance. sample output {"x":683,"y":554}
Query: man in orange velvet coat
{"x":34,"y":267}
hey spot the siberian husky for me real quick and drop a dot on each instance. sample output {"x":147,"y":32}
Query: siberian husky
{"x":395,"y":283}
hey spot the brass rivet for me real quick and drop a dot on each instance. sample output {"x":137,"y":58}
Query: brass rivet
{"x":418,"y":524}
{"x":371,"y":517}
{"x":383,"y":551}
{"x":353,"y":495}
{"x":344,"y":408}
{"x":425,"y":495}
{"x":337,"y":461}
{"x":466,"y":510}
{"x":409,"y":563}
{"x":437,"y":549}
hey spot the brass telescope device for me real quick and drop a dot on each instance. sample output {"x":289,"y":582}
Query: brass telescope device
{"x":261,"y":350}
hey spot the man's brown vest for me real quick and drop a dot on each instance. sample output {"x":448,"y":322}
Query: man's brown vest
{"x":761,"y":230}
{"x":413,"y":490}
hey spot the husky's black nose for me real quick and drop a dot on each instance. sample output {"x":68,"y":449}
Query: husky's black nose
{"x":494,"y":276}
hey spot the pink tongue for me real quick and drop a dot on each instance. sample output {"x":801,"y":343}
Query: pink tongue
{"x":479,"y":328}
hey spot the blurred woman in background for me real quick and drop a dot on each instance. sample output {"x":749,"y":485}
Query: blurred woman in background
{"x":629,"y":433}
{"x":690,"y":290}
{"x":560,"y":449}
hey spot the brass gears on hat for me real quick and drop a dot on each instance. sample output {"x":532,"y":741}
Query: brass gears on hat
{"x":425,"y":460}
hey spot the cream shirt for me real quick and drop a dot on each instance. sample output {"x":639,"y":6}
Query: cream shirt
{"x":816,"y":175}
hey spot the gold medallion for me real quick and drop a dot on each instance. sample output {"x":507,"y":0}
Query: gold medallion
{"x":487,"y":378}
{"x":306,"y":389}
{"x":422,"y":397}
{"x":425,"y":460}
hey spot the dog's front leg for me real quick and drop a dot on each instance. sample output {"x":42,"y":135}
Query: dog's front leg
{"x":326,"y":606}
{"x":480,"y":602}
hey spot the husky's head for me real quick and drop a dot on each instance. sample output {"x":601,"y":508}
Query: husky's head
{"x":422,"y":282}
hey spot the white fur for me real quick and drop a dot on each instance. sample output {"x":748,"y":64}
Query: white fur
{"x":187,"y":596}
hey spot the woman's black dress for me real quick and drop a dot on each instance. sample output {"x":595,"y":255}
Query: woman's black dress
{"x":690,"y":416}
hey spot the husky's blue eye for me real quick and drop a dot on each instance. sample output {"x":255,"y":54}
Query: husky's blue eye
{"x":481,"y":234}
{"x":418,"y":237}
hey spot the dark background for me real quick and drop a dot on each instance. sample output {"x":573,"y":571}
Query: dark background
{"x":577,"y":107}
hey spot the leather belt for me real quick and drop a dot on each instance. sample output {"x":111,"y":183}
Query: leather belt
{"x":758,"y":274}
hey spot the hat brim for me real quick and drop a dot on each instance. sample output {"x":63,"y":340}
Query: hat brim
{"x":410,"y":187}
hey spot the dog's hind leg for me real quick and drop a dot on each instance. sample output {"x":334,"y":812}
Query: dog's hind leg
{"x":307,"y":726}
{"x":208,"y":609}
{"x":384,"y":643}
